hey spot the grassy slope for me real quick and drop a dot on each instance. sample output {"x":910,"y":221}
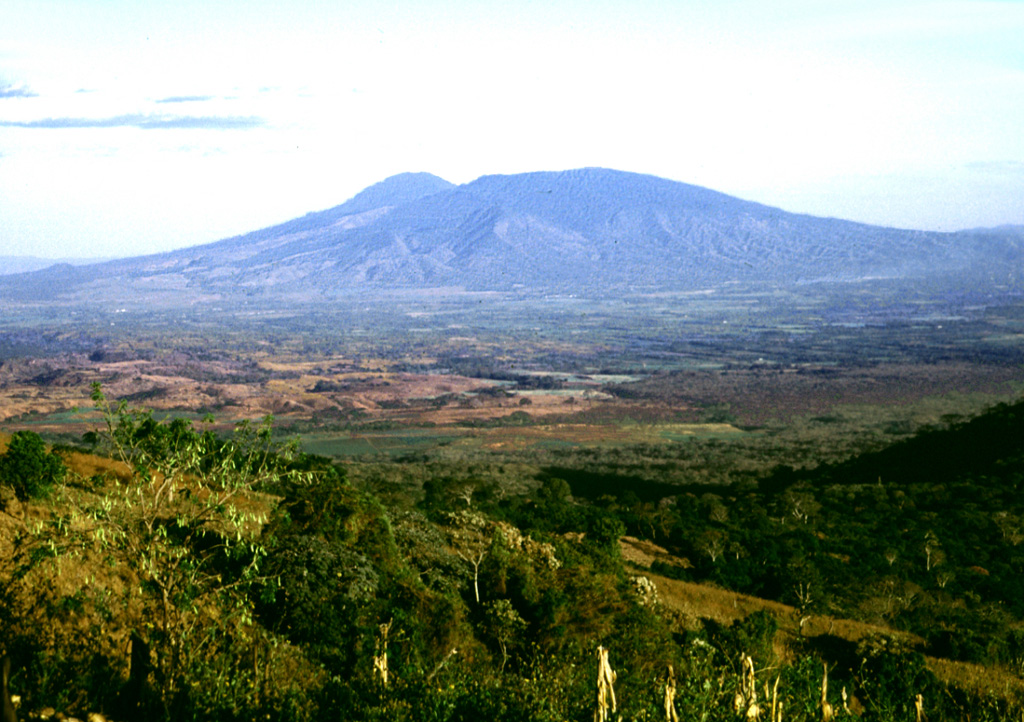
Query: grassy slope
{"x":695,"y":601}
{"x":690,"y":601}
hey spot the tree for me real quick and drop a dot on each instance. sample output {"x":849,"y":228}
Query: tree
{"x":179,"y":527}
{"x":28,"y":468}
{"x":554,"y":491}
{"x":805,"y":598}
{"x":712,"y":543}
{"x":503,"y":624}
{"x":931,"y":550}
{"x":604,"y":532}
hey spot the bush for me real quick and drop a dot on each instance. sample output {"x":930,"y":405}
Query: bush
{"x":753,"y":635}
{"x":28,"y":468}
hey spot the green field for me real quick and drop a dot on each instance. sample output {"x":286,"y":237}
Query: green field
{"x":391,"y":443}
{"x":402,"y":441}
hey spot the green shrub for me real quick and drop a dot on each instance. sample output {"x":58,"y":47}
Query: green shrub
{"x":28,"y":468}
{"x":753,"y":635}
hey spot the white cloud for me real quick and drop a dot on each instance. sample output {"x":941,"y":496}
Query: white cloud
{"x":767,"y":100}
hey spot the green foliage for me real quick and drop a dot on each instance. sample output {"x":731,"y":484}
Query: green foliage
{"x":604,"y":532}
{"x":890,"y":676}
{"x":260,"y":578}
{"x":554,"y":492}
{"x":504,"y":626}
{"x":753,"y":635}
{"x":325,"y":505}
{"x":317,"y":596}
{"x":178,"y":535}
{"x":28,"y":468}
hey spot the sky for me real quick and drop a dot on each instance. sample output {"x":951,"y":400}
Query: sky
{"x":131,"y":127}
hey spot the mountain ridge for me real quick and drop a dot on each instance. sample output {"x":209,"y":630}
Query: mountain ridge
{"x":581,"y":231}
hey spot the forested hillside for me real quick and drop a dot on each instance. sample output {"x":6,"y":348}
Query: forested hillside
{"x":162,"y":571}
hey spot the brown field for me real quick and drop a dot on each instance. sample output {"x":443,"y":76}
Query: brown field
{"x":337,"y":391}
{"x":286,"y":389}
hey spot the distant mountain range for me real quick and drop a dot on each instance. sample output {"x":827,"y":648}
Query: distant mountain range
{"x":591,"y":232}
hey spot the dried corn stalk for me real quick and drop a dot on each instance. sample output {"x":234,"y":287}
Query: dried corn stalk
{"x":745,"y":701}
{"x":670,"y":696}
{"x":919,"y":708}
{"x":826,"y":708}
{"x":380,"y":657}
{"x":605,"y":688}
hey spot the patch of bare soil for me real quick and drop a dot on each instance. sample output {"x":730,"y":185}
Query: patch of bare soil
{"x":339,"y":390}
{"x":329,"y":389}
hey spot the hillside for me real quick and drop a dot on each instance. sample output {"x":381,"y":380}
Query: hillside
{"x":590,"y":232}
{"x":264,"y":584}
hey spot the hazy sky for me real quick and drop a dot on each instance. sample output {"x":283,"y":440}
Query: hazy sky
{"x":129,"y":127}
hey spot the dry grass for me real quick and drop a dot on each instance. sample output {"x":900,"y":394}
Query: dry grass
{"x":979,"y":680}
{"x":88,"y":465}
{"x":642,"y":553}
{"x":693,"y":602}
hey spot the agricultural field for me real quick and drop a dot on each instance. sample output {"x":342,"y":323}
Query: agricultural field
{"x":837,"y":493}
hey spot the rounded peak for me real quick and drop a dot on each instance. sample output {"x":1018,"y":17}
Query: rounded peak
{"x":395,"y":190}
{"x":594,"y":185}
{"x":422,"y":178}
